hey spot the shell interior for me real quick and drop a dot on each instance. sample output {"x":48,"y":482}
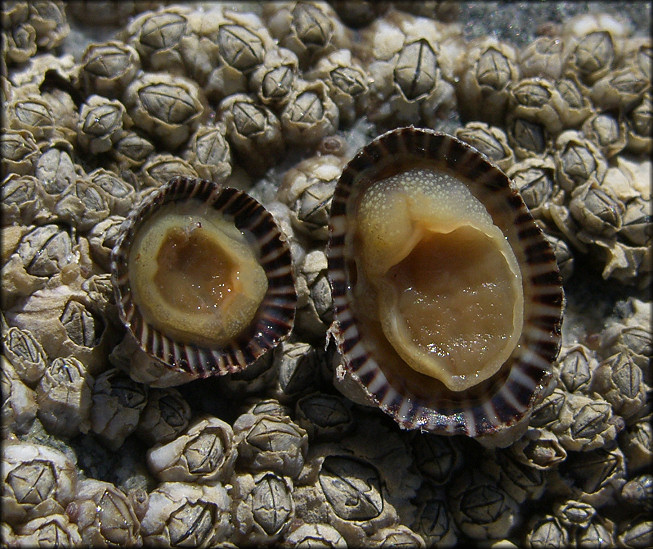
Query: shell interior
{"x":448,"y":300}
{"x":203,"y":278}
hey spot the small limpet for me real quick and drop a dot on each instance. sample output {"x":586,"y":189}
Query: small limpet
{"x":203,"y":277}
{"x":448,"y":300}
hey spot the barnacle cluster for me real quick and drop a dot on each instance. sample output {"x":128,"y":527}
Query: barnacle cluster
{"x":103,"y":444}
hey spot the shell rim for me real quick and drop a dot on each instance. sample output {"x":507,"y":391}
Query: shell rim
{"x":531,"y":376}
{"x":275,"y":316}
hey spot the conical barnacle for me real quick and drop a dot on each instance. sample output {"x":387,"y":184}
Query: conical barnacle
{"x":203,"y":278}
{"x":423,"y":232}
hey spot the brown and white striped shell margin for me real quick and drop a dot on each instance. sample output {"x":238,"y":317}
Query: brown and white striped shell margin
{"x":508,"y":397}
{"x":274,"y":317}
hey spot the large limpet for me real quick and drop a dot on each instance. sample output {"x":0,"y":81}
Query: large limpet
{"x":203,"y":277}
{"x":448,"y":300}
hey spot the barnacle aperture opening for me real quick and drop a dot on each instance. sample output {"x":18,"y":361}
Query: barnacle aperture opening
{"x":438,"y":277}
{"x":194,"y":275}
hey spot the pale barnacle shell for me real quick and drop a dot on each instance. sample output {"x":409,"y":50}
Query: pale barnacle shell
{"x":395,"y":536}
{"x":238,"y":42}
{"x":486,"y":76}
{"x":45,"y":256}
{"x":346,"y":492}
{"x":254,"y":132}
{"x":347,"y":81}
{"x":203,"y":454}
{"x":18,"y":151}
{"x":253,"y":380}
{"x":381,"y":471}
{"x":49,"y":22}
{"x":49,"y":531}
{"x":315,"y":302}
{"x":159,"y":287}
{"x":518,"y":479}
{"x":37,"y":481}
{"x":528,"y":139}
{"x":104,"y":515}
{"x":545,"y":529}
{"x":82,"y":205}
{"x":297,"y":364}
{"x":535,"y":179}
{"x":64,"y":397}
{"x":273,"y":80}
{"x":209,"y":152}
{"x":23,"y":200}
{"x":324,"y":417}
{"x":599,"y":532}
{"x":305,"y":536}
{"x":607,"y":131}
{"x":574,"y":514}
{"x":56,"y":168}
{"x":119,"y":193}
{"x":102,"y":238}
{"x":433,"y":520}
{"x":619,"y":380}
{"x":575,"y":368}
{"x":542,"y":57}
{"x":620,"y":89}
{"x":639,"y":124}
{"x":141,"y":367}
{"x":45,"y":119}
{"x":436,"y":458}
{"x":636,"y":532}
{"x":592,"y":44}
{"x":309,"y":29}
{"x":586,"y":423}
{"x":165,"y":416}
{"x":161,"y":38}
{"x":564,"y":255}
{"x":25,"y":353}
{"x":67,"y":323}
{"x":639,"y":491}
{"x":263,"y":507}
{"x":578,"y":161}
{"x":107,"y":68}
{"x":307,"y":188}
{"x":100,"y":124}
{"x":159,"y":168}
{"x":309,"y":115}
{"x":116,"y":408}
{"x":481,"y":508}
{"x":181,"y":513}
{"x":598,"y":475}
{"x":410,"y":61}
{"x":537,"y":101}
{"x":492,"y":142}
{"x":576,"y":107}
{"x":167,"y":107}
{"x":19,"y":36}
{"x":18,"y":401}
{"x":539,"y":449}
{"x":131,"y":150}
{"x":373,"y":181}
{"x":270,"y":443}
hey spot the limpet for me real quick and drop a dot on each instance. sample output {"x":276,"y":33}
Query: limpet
{"x":447,"y":297}
{"x":203,"y":277}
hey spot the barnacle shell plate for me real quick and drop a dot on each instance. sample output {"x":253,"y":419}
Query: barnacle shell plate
{"x":203,"y":277}
{"x":448,"y":300}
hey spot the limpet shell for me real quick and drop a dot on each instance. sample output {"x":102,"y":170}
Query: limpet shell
{"x":203,"y":277}
{"x":402,"y":175}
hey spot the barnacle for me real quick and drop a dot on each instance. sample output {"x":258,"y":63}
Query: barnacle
{"x":274,"y":99}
